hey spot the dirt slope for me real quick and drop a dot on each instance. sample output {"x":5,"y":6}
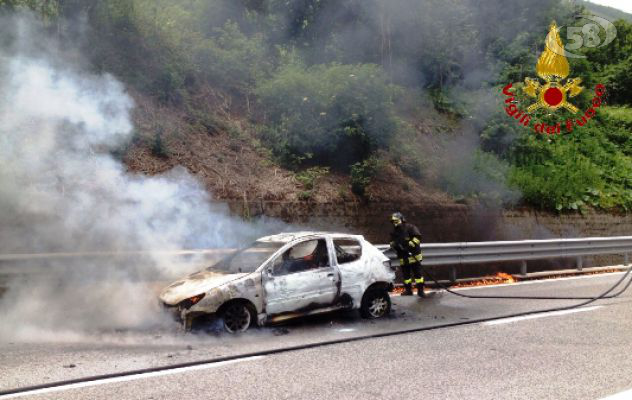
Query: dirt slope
{"x":233,"y":165}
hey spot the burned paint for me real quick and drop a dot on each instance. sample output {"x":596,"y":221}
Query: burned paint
{"x":286,"y":296}
{"x":358,"y":275}
{"x":201,"y":282}
{"x":298,"y":290}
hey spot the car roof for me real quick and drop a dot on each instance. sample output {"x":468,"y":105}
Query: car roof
{"x":287,"y":237}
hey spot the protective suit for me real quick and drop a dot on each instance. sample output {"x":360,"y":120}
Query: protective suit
{"x":406,"y":242}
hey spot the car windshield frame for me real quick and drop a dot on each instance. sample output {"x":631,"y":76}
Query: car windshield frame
{"x":238,"y":262}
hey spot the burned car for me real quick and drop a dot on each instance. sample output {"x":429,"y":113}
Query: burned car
{"x":285,"y":276}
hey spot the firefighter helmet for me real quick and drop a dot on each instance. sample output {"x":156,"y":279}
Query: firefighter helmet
{"x":397,"y":218}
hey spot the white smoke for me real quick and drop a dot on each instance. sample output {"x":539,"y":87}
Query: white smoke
{"x":61,"y":190}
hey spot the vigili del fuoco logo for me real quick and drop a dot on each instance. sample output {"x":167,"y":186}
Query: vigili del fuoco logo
{"x":553,"y":91}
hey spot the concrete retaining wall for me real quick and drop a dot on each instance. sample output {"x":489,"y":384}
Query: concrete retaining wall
{"x":441,"y":223}
{"x":451,"y":223}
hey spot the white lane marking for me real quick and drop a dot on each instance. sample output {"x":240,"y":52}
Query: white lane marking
{"x":127,"y":378}
{"x":536,"y":281}
{"x":620,"y":396}
{"x":542,"y":315}
{"x":346,"y":330}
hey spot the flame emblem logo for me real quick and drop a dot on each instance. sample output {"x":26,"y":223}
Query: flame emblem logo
{"x":553,"y":68}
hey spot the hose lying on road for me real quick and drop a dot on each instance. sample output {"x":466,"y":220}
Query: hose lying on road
{"x":24,"y":391}
{"x":589,"y":299}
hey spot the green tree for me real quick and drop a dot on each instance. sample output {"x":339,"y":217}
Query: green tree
{"x":333,"y":115}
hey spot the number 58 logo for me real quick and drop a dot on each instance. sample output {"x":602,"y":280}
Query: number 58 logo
{"x":586,"y":35}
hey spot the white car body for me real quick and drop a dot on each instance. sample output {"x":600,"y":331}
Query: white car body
{"x":340,"y":283}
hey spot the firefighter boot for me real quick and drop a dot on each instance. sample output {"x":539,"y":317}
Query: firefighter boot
{"x":408,"y":290}
{"x":420,"y":290}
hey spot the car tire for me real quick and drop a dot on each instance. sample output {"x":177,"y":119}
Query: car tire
{"x":376,"y":303}
{"x":236,"y":317}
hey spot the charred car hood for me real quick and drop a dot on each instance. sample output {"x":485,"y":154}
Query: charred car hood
{"x":198,"y":283}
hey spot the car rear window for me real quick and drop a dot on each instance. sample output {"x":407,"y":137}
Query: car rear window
{"x":347,"y":250}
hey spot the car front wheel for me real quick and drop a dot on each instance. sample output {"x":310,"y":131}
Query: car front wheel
{"x":376,"y":303}
{"x":236,"y":317}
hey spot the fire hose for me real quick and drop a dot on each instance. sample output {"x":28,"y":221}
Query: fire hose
{"x":604,"y":295}
{"x":588,"y":299}
{"x":26,"y":390}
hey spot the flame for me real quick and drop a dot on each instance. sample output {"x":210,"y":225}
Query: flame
{"x":502,"y":277}
{"x":506,"y":277}
{"x":552,"y":64}
{"x":499,"y":278}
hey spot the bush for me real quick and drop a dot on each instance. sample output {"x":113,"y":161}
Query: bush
{"x":408,"y":152}
{"x":309,"y":177}
{"x":481,"y":175}
{"x":330,"y":115}
{"x":362,"y":173}
{"x":158,"y":145}
{"x":559,"y":186}
{"x":445,"y":103}
{"x":574,"y":171}
{"x":618,"y":124}
{"x":231,"y":60}
{"x":618,"y":80}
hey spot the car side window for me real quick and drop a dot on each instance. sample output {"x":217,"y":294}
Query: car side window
{"x":347,"y":250}
{"x":310,"y":254}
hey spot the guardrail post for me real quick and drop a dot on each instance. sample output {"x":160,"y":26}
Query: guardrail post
{"x":523,"y":267}
{"x":626,"y":259}
{"x":453,"y":274}
{"x":580,"y":263}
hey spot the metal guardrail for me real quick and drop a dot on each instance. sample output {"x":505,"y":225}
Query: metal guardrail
{"x":111,"y":254}
{"x":454,"y":254}
{"x":436,"y":254}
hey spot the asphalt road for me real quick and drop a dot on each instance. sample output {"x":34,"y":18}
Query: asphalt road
{"x":581,"y":354}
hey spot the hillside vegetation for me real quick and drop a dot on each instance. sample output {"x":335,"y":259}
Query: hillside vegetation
{"x":340,"y":99}
{"x":609,"y":13}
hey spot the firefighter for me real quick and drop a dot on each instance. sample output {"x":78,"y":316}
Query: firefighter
{"x":406,"y":242}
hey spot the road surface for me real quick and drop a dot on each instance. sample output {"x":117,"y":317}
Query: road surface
{"x":583,"y":353}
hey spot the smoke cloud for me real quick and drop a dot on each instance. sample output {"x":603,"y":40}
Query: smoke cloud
{"x":61,"y":190}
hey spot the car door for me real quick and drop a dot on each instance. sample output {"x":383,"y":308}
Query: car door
{"x":353,"y":269}
{"x":301,"y":278}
